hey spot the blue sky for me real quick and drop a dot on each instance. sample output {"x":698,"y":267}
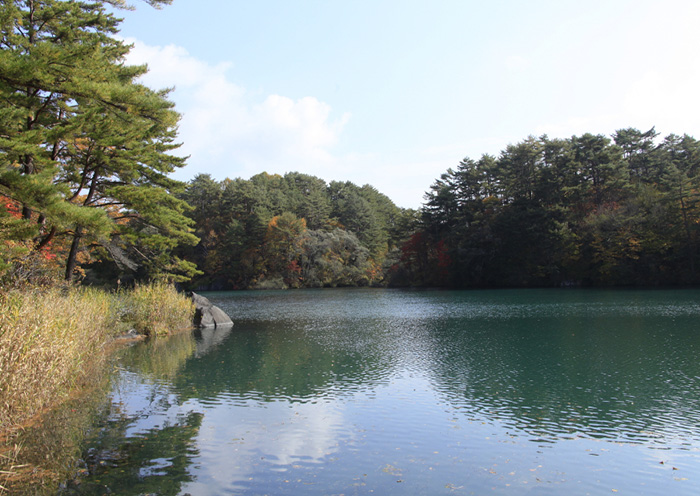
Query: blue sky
{"x":393,"y":93}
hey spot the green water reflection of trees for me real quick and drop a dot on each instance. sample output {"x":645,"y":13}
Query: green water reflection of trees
{"x":620,"y":378}
{"x":268,"y":361}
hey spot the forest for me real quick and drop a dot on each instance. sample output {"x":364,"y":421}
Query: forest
{"x":86,"y":193}
{"x":292,"y":231}
{"x":590,"y":210}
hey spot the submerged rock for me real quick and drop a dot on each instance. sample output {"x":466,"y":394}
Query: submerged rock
{"x":208,"y":315}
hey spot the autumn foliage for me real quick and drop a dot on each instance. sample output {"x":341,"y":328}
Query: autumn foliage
{"x":292,"y":231}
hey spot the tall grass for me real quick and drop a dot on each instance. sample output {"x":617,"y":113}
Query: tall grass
{"x":54,"y":345}
{"x":157,"y":309}
{"x":51,"y":341}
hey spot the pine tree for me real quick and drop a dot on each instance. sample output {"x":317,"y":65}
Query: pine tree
{"x":84,"y":148}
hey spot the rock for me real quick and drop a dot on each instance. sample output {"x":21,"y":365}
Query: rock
{"x":210,"y":338}
{"x":208,"y":315}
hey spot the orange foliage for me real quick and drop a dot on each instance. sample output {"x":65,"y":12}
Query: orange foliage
{"x":14,"y":208}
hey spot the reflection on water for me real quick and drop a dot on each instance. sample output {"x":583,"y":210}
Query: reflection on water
{"x":611,"y":377}
{"x":43,"y":454}
{"x":209,"y":338}
{"x":393,"y":392}
{"x":160,"y":358}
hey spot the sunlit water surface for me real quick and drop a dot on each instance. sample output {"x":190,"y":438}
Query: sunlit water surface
{"x":413,"y":392}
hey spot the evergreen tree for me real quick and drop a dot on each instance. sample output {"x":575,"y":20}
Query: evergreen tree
{"x":638,"y":150}
{"x":84,"y":148}
{"x":585,"y":210}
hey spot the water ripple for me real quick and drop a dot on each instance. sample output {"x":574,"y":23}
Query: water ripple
{"x":440,"y":392}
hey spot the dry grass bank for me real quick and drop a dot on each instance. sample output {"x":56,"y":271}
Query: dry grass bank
{"x":54,"y":345}
{"x":156,"y":309}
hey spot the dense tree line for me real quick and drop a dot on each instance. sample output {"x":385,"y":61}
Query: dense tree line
{"x":588,"y":210}
{"x":85,"y":157}
{"x":85,"y":149}
{"x":86,"y":152}
{"x":292,"y":231}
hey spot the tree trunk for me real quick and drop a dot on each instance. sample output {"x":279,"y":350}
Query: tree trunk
{"x":72,"y":255}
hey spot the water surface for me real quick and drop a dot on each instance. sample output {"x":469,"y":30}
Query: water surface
{"x":413,"y":392}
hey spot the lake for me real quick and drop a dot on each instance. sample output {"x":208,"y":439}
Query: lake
{"x":371,"y":391}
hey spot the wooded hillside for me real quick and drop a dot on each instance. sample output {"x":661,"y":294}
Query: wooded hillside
{"x":294,"y":230}
{"x":588,"y":210}
{"x":86,"y":153}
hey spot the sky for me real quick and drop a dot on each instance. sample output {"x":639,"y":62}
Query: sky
{"x":393,"y":93}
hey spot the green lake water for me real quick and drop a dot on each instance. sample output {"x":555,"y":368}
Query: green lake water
{"x":321,"y":392}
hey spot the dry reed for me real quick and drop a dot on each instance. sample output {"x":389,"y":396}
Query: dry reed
{"x":54,"y":344}
{"x":157,"y":309}
{"x":51,"y":340}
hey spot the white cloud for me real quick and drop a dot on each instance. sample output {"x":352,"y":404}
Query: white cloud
{"x":231,"y":132}
{"x":664,"y":97}
{"x":644,"y":76}
{"x":172,"y":64}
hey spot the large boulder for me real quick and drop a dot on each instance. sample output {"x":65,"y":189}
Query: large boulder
{"x":208,"y":315}
{"x":209,"y":338}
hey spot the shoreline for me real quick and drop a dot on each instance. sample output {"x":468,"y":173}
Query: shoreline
{"x":56,"y":348}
